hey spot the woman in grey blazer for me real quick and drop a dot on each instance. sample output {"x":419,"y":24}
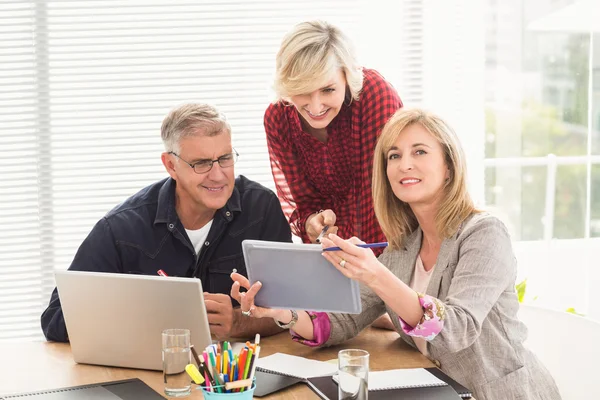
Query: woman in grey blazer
{"x":447,"y":278}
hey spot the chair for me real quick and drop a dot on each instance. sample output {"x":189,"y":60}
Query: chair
{"x":569,"y":346}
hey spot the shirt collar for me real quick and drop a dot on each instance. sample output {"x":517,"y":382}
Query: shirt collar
{"x":167,"y":214}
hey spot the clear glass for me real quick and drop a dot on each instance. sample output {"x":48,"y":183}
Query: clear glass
{"x":353,"y":374}
{"x":176,"y":355}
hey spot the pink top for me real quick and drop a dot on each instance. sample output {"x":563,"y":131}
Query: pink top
{"x":429,"y":326}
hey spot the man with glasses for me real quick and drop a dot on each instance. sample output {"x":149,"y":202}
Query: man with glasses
{"x":190,"y":224}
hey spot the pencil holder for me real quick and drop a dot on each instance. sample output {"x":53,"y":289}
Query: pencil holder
{"x":247,"y":394}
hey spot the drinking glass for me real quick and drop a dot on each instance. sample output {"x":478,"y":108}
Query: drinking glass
{"x":176,"y":355}
{"x":353,"y":374}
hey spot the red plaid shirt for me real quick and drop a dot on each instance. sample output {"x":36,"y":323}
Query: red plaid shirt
{"x":311,"y":175}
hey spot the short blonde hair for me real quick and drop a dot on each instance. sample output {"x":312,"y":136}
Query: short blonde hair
{"x":395,"y":217}
{"x":189,"y":120}
{"x":309,"y":54}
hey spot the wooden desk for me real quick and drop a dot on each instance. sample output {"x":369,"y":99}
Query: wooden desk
{"x":33,"y":366}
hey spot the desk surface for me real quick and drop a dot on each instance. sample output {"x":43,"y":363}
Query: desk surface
{"x":33,"y":366}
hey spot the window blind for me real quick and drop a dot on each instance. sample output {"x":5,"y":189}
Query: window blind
{"x":84,"y":86}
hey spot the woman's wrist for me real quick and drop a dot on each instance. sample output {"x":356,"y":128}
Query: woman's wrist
{"x":382,"y":280}
{"x":283,"y":316}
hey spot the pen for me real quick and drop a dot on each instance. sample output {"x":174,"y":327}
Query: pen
{"x":318,"y":239}
{"x":247,"y":363}
{"x":226,"y":380}
{"x":195,"y":354}
{"x":364,"y":246}
{"x":213,"y":360}
{"x":161,"y":272}
{"x":252,"y":367}
{"x":210,"y":377}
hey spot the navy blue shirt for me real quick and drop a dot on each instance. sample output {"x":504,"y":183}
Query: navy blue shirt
{"x":144,"y":234}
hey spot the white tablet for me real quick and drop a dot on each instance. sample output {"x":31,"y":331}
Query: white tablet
{"x":298,"y":277}
{"x":118,"y":319}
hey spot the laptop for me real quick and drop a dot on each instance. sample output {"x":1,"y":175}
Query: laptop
{"x":117,"y":319}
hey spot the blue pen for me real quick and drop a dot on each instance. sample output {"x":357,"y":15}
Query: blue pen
{"x":225,"y":380}
{"x":364,"y":246}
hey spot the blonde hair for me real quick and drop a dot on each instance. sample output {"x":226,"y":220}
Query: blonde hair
{"x":189,"y":120}
{"x":395,"y":217}
{"x":309,"y":54}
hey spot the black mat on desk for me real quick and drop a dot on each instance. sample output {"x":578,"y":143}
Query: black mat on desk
{"x":129,"y":389}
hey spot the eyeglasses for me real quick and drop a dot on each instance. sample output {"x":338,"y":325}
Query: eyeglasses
{"x":203,"y":166}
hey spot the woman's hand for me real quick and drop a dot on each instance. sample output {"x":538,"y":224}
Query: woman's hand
{"x":246,"y":299}
{"x":316,"y":222}
{"x":359,"y":264}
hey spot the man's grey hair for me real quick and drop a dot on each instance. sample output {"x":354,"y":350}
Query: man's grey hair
{"x":190,"y":120}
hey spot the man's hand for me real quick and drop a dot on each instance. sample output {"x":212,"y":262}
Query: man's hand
{"x":220,"y":314}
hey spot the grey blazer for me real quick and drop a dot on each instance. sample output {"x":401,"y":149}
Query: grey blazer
{"x":481,"y":343}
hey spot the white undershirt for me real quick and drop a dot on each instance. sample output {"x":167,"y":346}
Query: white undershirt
{"x":419,"y":283}
{"x":198,"y":236}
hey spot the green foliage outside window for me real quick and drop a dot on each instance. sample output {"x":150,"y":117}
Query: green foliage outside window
{"x":521,"y":289}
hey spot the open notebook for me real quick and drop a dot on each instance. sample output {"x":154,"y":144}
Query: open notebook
{"x":327,"y":389}
{"x":294,"y":366}
{"x":401,"y":379}
{"x":318,"y":376}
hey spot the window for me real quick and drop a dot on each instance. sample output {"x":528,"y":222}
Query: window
{"x":84,"y":86}
{"x":541,"y":148}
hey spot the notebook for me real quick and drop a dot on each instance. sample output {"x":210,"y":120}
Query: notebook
{"x":267,"y":383}
{"x":129,"y":389}
{"x":460,"y":389}
{"x":401,"y":379}
{"x":294,"y":366}
{"x":326,"y":388}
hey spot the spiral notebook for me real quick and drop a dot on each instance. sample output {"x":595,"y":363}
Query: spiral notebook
{"x":129,"y":389}
{"x":401,"y":379}
{"x":327,"y":389}
{"x":294,"y":366}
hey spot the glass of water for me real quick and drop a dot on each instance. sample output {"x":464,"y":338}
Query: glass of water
{"x":353,"y":374}
{"x":176,"y":355}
